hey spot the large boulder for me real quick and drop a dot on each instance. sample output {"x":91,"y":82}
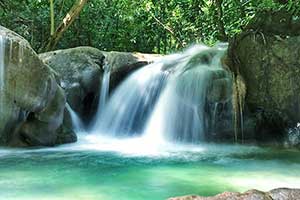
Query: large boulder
{"x":31,"y":102}
{"x":266,"y":55}
{"x":41,"y":128}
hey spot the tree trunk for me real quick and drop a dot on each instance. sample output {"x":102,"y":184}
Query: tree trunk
{"x":64,"y":25}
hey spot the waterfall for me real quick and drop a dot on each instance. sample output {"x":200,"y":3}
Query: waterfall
{"x":129,"y":106}
{"x":168,"y":100}
{"x":103,"y":92}
{"x":104,"y":86}
{"x":77,"y":124}
{"x":2,"y":72}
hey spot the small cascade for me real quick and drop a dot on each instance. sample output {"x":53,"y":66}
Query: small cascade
{"x":2,"y":72}
{"x":77,"y":124}
{"x":2,"y":67}
{"x":182,"y":107}
{"x":104,"y":86}
{"x":168,"y":100}
{"x":130,"y":104}
{"x":104,"y":92}
{"x":215,"y":109}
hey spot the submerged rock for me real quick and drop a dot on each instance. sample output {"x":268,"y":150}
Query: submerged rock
{"x":276,"y":194}
{"x":31,"y":102}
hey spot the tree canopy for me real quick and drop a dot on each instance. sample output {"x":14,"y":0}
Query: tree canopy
{"x":152,"y":26}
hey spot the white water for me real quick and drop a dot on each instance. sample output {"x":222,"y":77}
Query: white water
{"x":104,"y":87}
{"x":164,"y":101}
{"x":2,"y":72}
{"x":179,"y":114}
{"x":128,"y":108}
{"x":77,"y":124}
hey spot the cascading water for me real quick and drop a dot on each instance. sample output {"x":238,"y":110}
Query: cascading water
{"x":103,"y":93}
{"x":2,"y":71}
{"x":169,"y":99}
{"x":77,"y":124}
{"x":104,"y":86}
{"x":2,"y":52}
{"x":128,"y":108}
{"x":181,"y":113}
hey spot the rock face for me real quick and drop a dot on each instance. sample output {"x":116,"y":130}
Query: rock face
{"x":31,"y":102}
{"x":276,"y":194}
{"x":42,"y":128}
{"x":267,"y":55}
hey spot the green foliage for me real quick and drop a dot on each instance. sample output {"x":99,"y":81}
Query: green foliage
{"x":159,"y":26}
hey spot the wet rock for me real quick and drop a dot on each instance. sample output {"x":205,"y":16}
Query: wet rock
{"x":31,"y":102}
{"x":276,"y":194}
{"x":285,"y":194}
{"x":266,"y":56}
{"x":80,"y":72}
{"x":122,"y":64}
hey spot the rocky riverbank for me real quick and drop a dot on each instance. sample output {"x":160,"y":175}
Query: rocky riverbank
{"x":276,"y":194}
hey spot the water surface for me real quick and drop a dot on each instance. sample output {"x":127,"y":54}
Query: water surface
{"x":106,"y":171}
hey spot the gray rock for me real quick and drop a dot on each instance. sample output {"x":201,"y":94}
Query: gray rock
{"x":276,"y":194}
{"x":31,"y":102}
{"x":285,"y":194}
{"x":122,"y":64}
